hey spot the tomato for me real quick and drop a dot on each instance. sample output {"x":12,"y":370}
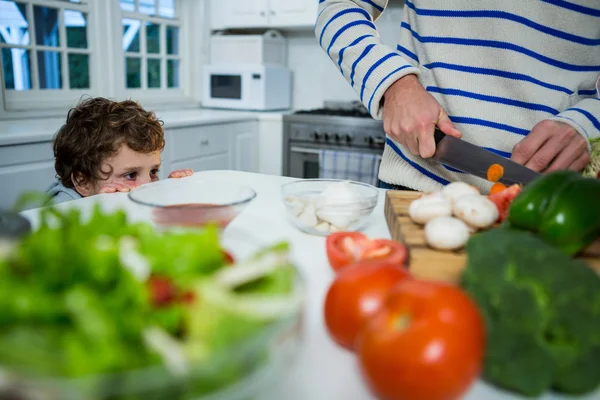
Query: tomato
{"x":503,"y":199}
{"x":346,"y":248}
{"x":162,"y":291}
{"x":228,"y":257}
{"x":356,"y":293}
{"x":426,"y":343}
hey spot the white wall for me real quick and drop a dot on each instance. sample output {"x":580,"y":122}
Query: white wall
{"x":316,"y":78}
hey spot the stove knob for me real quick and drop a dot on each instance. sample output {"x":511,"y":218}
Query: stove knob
{"x":348,"y":138}
{"x":337,"y":137}
{"x":315,"y":135}
{"x":326,"y":136}
{"x":376,"y":141}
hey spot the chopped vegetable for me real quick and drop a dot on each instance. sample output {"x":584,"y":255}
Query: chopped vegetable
{"x":495,"y":172}
{"x":542,"y":313}
{"x":562,"y":208}
{"x":455,"y":190}
{"x":497,"y":188}
{"x":503,"y":199}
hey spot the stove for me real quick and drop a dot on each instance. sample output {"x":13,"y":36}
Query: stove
{"x":337,"y":125}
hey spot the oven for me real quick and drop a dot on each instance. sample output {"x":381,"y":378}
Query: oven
{"x":345,"y":128}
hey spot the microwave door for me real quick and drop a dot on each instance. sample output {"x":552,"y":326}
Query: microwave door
{"x":226,"y":86}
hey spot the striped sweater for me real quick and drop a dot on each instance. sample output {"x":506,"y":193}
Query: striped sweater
{"x":497,"y":68}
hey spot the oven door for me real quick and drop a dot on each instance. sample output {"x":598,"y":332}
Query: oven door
{"x":304,"y":162}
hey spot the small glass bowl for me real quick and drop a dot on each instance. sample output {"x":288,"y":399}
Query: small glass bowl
{"x":193,"y":203}
{"x":331,"y":215}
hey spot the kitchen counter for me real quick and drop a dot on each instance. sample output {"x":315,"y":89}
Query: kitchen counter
{"x":324,"y":371}
{"x":43,"y":129}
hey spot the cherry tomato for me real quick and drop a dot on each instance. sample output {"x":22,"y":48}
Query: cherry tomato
{"x":347,"y":248}
{"x":426,"y":343}
{"x":503,"y":199}
{"x":228,"y":257}
{"x":162,"y":291}
{"x":357,"y":293}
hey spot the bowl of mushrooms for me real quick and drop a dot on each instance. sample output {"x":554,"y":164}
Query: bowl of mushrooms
{"x":452,"y":214}
{"x":324,"y":206}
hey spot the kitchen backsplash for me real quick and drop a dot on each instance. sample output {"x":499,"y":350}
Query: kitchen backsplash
{"x":316,"y":79}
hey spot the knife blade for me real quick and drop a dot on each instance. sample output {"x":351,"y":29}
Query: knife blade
{"x":475,"y":160}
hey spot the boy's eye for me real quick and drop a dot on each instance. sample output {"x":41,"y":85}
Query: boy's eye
{"x":130,"y":175}
{"x":154,"y":172}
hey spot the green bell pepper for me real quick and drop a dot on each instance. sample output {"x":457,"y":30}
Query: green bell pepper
{"x":562,"y":207}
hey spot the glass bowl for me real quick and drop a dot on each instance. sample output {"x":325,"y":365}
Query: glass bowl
{"x":324,"y":206}
{"x":249,"y":369}
{"x":192,"y":203}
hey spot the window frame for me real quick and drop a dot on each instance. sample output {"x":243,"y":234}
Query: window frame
{"x":107,"y":75}
{"x":37,"y":98}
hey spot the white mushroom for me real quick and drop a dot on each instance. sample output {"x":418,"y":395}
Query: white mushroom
{"x":428,"y":207}
{"x":308,"y":217}
{"x":477,"y":211}
{"x":446,"y":233}
{"x":295,"y":206}
{"x":340,"y":204}
{"x":323,"y":227}
{"x":455,"y":190}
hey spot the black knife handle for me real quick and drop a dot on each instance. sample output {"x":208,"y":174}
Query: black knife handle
{"x":438,"y":135}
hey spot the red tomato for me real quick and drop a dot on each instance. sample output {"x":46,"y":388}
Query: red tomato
{"x":503,"y":199}
{"x":162,"y":291}
{"x":346,"y":248}
{"x":228,"y":257}
{"x":426,"y":343}
{"x":357,"y":293}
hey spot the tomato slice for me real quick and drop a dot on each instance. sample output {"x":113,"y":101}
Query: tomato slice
{"x":503,"y":199}
{"x":162,"y":291}
{"x":228,"y":257}
{"x":347,"y":248}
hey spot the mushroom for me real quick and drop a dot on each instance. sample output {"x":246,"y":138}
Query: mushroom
{"x":476,"y":211}
{"x":323,"y":227}
{"x":308,"y":217}
{"x":446,"y":233}
{"x":428,"y":207}
{"x":455,"y":190}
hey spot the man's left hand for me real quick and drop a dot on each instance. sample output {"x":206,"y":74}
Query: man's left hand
{"x":551,"y":146}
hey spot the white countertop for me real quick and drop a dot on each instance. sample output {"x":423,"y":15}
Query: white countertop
{"x":324,"y":371}
{"x":43,"y":129}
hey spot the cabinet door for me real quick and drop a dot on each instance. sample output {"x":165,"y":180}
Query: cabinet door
{"x":293,"y":13}
{"x":243,"y":147}
{"x":24,"y":168}
{"x":208,"y":163}
{"x":239,"y":13}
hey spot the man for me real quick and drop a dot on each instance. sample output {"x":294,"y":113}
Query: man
{"x":519,"y":78}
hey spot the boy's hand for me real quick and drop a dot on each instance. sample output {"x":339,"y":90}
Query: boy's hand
{"x":114,"y":187}
{"x":181,"y":173}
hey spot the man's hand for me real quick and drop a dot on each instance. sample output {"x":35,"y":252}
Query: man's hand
{"x":410,"y":115}
{"x":550,"y":146}
{"x":181,"y":173}
{"x":114,"y":187}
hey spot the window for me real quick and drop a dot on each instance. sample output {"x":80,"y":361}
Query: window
{"x":44,"y":48}
{"x":151,"y":32}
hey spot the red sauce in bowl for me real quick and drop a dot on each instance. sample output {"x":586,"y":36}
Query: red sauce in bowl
{"x":194,"y":215}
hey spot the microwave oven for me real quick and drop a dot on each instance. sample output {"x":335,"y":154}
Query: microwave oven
{"x":261,"y":87}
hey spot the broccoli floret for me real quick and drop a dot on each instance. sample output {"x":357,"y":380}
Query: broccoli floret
{"x":542,"y":313}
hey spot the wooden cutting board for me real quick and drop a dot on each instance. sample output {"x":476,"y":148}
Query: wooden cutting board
{"x":428,"y":263}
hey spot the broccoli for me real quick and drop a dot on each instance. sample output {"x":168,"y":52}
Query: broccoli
{"x":542,"y":313}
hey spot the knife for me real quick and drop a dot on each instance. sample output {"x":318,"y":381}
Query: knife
{"x":472,"y":159}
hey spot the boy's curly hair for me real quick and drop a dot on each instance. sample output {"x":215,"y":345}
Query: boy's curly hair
{"x":95,"y":130}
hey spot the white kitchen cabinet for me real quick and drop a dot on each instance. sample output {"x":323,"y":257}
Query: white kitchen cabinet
{"x":208,"y":163}
{"x":24,"y":168}
{"x":293,"y":13}
{"x":227,"y":14}
{"x":243,"y":144}
{"x":270,"y":146}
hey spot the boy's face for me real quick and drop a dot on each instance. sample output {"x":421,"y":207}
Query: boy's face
{"x":127,"y":167}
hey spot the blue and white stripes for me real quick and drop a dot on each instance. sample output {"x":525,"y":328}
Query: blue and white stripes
{"x":497,"y":70}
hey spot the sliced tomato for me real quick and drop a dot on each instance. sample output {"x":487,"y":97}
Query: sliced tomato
{"x":347,"y":248}
{"x":503,"y":199}
{"x":228,"y":257}
{"x":162,"y":291}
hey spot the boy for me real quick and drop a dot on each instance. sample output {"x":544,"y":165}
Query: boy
{"x":106,"y":147}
